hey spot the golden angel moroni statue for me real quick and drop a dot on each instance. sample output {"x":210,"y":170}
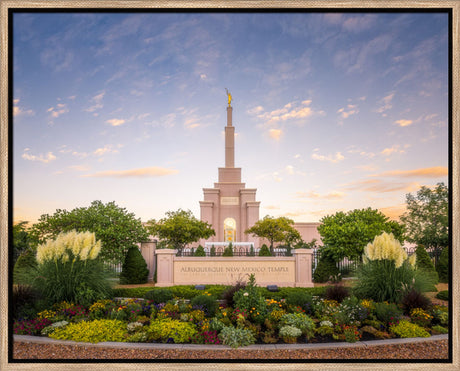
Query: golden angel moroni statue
{"x":229,"y":97}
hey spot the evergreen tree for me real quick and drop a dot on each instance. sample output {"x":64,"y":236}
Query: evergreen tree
{"x":443,"y":265}
{"x":25,"y":264}
{"x":200,"y":251}
{"x":228,"y":250}
{"x":425,"y":265}
{"x":326,"y":266}
{"x":213,"y":251}
{"x":264,"y":251}
{"x":134,"y":270}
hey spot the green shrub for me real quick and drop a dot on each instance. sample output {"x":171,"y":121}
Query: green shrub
{"x":251,"y":251}
{"x":93,"y":332}
{"x":264,"y":251}
{"x":207,"y":303}
{"x":443,"y":265}
{"x":388,"y":313}
{"x":134,"y":270}
{"x":131,"y":292}
{"x":251,"y":300}
{"x":440,"y":315}
{"x":228,"y":250}
{"x":200,"y":251}
{"x":405,"y":329}
{"x":439,"y":330}
{"x":443,"y":295}
{"x":159,"y":295}
{"x":326,"y":268}
{"x":167,"y":328}
{"x":69,"y":269}
{"x":236,"y":337}
{"x":300,"y":298}
{"x":299,"y":320}
{"x":213,"y":251}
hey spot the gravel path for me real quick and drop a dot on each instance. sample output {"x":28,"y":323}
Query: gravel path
{"x":434,"y":349}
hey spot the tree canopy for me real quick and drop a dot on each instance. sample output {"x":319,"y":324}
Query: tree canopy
{"x":275,"y":230}
{"x":346,"y":234}
{"x":22,"y":240}
{"x":180,"y":228}
{"x":427,"y":217}
{"x":117,"y":229}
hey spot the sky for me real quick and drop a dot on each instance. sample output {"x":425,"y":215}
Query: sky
{"x":332,"y":111}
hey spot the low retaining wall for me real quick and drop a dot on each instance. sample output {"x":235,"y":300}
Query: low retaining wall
{"x":292,"y":271}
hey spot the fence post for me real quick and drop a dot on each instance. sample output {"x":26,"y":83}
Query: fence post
{"x":165,"y":267}
{"x":303,"y":260}
{"x":148,"y":253}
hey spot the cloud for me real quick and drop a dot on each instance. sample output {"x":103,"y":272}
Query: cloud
{"x":271,"y":207}
{"x":96,"y":102}
{"x":41,"y":158}
{"x":116,"y":122}
{"x":316,"y":195}
{"x":290,"y":111}
{"x":428,"y":172}
{"x":394,"y":149}
{"x":359,"y":23}
{"x":17,"y":111}
{"x":381,"y":186}
{"x":203,"y":76}
{"x":404,"y":122}
{"x":351,"y":109}
{"x":79,"y":167}
{"x":331,"y":158}
{"x":108,"y":148}
{"x":59,"y":110}
{"x":255,"y":111}
{"x":275,"y":133}
{"x":385,"y":104}
{"x":165,"y":121}
{"x":134,"y":173}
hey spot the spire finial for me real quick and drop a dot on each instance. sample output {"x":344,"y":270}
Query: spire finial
{"x":229,"y":97}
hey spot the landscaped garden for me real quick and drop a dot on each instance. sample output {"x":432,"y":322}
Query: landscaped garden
{"x":71,"y":299}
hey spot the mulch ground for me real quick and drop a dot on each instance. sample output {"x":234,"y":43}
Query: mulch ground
{"x":434,"y":350}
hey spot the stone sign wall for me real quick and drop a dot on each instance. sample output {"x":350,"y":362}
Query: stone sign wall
{"x":282,"y":271}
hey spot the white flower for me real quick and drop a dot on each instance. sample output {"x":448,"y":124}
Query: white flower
{"x":245,"y":294}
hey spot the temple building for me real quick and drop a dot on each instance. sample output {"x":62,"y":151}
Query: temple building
{"x":231,"y":208}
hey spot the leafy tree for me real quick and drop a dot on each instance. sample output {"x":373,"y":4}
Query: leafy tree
{"x":117,"y":229}
{"x":180,"y":228}
{"x":134,"y":270}
{"x":346,"y":234}
{"x":427,"y":217}
{"x":22,"y":240}
{"x":275,"y":230}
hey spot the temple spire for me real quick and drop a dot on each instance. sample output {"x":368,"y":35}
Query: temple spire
{"x":229,"y":136}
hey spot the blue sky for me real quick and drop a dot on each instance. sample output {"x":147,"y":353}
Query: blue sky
{"x":333,"y":111}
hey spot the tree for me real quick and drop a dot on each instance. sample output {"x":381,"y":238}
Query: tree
{"x":180,"y":228}
{"x":22,"y":240}
{"x":427,"y":217}
{"x":117,"y":229}
{"x":275,"y":230}
{"x":346,"y":234}
{"x":134,"y":270}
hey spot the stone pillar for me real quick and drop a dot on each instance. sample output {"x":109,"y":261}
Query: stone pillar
{"x":148,"y":253}
{"x":165,"y":267}
{"x":303,"y":260}
{"x":229,"y":140}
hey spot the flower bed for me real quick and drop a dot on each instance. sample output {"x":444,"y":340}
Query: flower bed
{"x":252,"y":318}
